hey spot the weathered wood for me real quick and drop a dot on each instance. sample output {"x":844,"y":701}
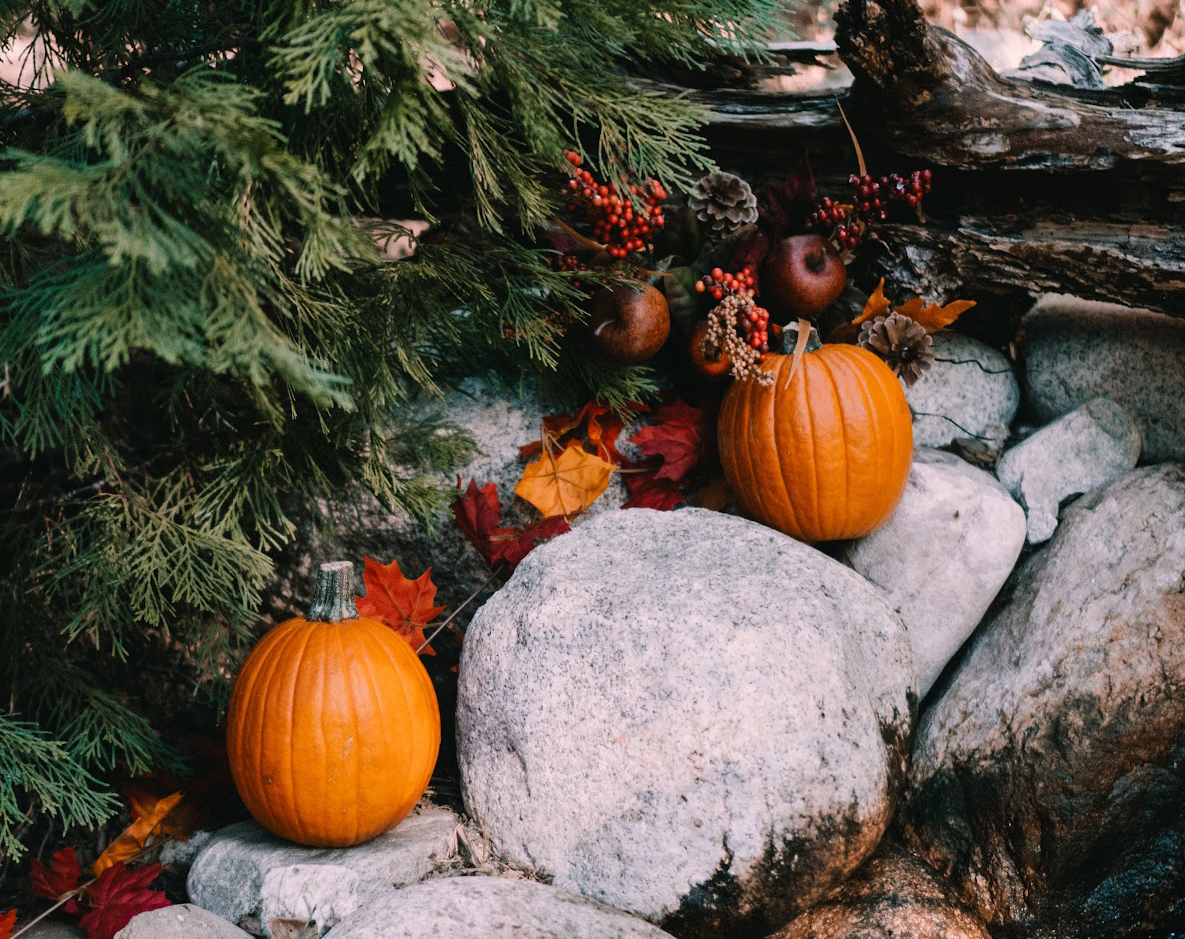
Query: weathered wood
{"x":1037,"y":187}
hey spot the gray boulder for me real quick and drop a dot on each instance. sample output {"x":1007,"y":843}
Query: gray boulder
{"x":969,"y":392}
{"x":1076,"y":350}
{"x":263,"y":883}
{"x":1046,"y":782}
{"x":685,"y":715}
{"x":893,"y":896}
{"x":489,"y":908}
{"x":942,"y":556}
{"x":184,"y":921}
{"x":1087,"y":448}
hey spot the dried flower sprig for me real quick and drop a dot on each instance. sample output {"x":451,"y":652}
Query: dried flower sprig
{"x":724,"y":338}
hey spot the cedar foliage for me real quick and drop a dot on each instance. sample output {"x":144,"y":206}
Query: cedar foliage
{"x":199,"y":339}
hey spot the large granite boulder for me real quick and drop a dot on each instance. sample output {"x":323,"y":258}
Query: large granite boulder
{"x":489,"y":908}
{"x":942,"y":556}
{"x":688,"y":716}
{"x":1076,"y":350}
{"x":264,"y":884}
{"x":1079,"y":452}
{"x":893,"y":896}
{"x":970,"y":391}
{"x":1047,"y":781}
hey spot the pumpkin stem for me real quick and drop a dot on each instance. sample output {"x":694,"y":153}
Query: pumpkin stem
{"x":790,"y":337}
{"x":333,"y":597}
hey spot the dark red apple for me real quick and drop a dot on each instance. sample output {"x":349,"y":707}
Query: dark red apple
{"x":629,"y":323}
{"x":801,"y":277}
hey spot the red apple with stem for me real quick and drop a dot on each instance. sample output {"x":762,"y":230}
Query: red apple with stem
{"x":629,"y":322}
{"x":801,"y":277}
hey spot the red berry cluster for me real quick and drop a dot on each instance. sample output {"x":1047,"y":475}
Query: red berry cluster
{"x":568,"y":263}
{"x":870,"y":200}
{"x":753,"y":321}
{"x":611,"y":212}
{"x":718,"y":283}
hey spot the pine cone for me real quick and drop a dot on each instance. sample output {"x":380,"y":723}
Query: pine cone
{"x":725,"y":201}
{"x":903,"y":344}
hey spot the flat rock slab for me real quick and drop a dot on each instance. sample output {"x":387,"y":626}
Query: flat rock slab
{"x":943,"y":555}
{"x":969,"y":391}
{"x":1047,"y":779}
{"x":489,"y":908}
{"x":893,"y":896}
{"x":1079,"y":452}
{"x":686,"y":715}
{"x":184,"y":921}
{"x":251,"y":878}
{"x":1076,"y":350}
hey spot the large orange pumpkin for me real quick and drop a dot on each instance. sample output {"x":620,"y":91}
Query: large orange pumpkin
{"x":824,"y":455}
{"x":333,"y":726}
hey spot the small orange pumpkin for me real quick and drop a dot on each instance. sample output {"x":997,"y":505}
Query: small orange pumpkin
{"x":333,"y":726}
{"x":823,"y":455}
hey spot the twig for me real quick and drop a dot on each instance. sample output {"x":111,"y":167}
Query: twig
{"x":473,"y":596}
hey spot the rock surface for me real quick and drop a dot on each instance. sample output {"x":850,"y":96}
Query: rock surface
{"x":499,"y":420}
{"x":254,"y":879}
{"x":489,"y":908}
{"x":1047,"y":780}
{"x":184,"y":921}
{"x":1076,"y":350}
{"x":687,"y":716}
{"x":893,"y":896}
{"x":942,"y":556}
{"x":1087,"y":448}
{"x":970,"y":391}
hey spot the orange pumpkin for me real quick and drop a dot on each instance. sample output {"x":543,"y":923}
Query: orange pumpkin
{"x":823,"y":455}
{"x":333,"y":726}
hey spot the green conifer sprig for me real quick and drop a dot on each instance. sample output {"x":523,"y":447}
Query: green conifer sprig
{"x":202,"y":344}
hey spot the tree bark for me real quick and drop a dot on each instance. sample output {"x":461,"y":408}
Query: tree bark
{"x":1038,"y":188}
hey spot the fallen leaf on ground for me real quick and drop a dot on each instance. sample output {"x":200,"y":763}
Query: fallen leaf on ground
{"x":135,"y":837}
{"x":715,"y":494}
{"x":117,"y":896}
{"x":647,"y":491}
{"x":935,"y":317}
{"x":407,"y":606}
{"x":479,"y":516}
{"x":875,"y":305}
{"x":681,"y":437}
{"x":59,"y":878}
{"x":7,"y":922}
{"x":564,"y":484}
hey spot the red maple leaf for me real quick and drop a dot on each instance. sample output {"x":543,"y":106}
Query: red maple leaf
{"x":59,"y":878}
{"x":479,"y":516}
{"x":647,"y":491}
{"x":407,"y":606}
{"x":7,"y":922}
{"x":512,"y":550}
{"x":117,"y":896}
{"x":681,"y":437}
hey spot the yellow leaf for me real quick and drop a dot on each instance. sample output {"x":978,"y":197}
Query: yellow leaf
{"x":135,"y":837}
{"x":876,"y":305}
{"x":937,"y":317}
{"x":564,"y":484}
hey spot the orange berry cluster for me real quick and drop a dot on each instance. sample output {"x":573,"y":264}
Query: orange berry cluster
{"x":623,"y":219}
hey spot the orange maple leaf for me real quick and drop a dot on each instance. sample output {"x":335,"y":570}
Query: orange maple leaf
{"x":564,"y":484}
{"x":407,"y":606}
{"x":876,"y":305}
{"x":7,"y":922}
{"x":935,"y":317}
{"x":134,"y":838}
